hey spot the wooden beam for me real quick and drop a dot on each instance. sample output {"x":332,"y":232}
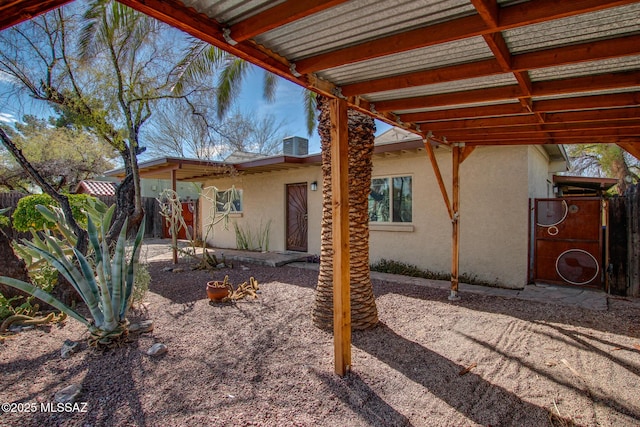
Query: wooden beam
{"x":465,"y":27}
{"x":511,"y":92}
{"x":454,"y":98}
{"x":518,"y":64}
{"x":632,"y":148}
{"x":436,"y":170}
{"x":176,"y":14}
{"x":629,"y":113}
{"x":628,"y":79}
{"x":15,"y":12}
{"x":522,"y":137}
{"x":630,"y":99}
{"x":340,"y":239}
{"x":484,"y":68}
{"x":465,"y":112}
{"x":413,"y":39}
{"x":591,"y":51}
{"x":544,"y":10}
{"x":518,"y":125}
{"x":486,"y":122}
{"x":281,"y":14}
{"x":606,"y":128}
{"x":466,"y":152}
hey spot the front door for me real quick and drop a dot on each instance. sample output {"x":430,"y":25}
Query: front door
{"x":297,"y":217}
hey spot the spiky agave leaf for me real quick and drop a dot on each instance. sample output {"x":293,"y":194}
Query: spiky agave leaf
{"x":117,"y":268}
{"x":57,"y":216}
{"x":73,"y":276}
{"x":47,"y":298}
{"x":135,"y":255}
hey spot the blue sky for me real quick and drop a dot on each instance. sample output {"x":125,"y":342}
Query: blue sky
{"x":288,"y":107}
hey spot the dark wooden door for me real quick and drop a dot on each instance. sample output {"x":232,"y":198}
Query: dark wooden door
{"x":568,"y":241}
{"x":297,"y":217}
{"x":188,"y":214}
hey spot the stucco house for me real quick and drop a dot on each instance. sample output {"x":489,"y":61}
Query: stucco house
{"x":408,"y":218}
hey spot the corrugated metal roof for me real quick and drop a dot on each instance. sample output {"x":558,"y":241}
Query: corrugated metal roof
{"x":444,"y":88}
{"x":422,"y":61}
{"x":588,"y":93}
{"x":457,"y":106}
{"x":229,"y":12}
{"x":614,"y":65}
{"x":457,"y":52}
{"x":358,"y":21}
{"x":575,"y":29}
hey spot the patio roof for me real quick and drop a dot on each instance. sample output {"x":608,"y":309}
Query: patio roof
{"x":474,"y":71}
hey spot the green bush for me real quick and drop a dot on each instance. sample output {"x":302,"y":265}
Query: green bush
{"x":396,"y":267}
{"x":27,"y":217}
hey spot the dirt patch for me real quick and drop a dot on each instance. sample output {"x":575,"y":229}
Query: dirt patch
{"x":430,"y":362}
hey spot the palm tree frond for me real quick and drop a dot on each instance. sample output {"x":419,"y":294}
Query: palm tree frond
{"x":230,"y":83}
{"x":310,"y":109}
{"x":270,"y":86}
{"x":201,"y":60}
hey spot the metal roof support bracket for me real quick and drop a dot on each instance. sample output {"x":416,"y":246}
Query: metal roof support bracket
{"x":292,"y":67}
{"x":337,"y":91}
{"x":226,"y":33}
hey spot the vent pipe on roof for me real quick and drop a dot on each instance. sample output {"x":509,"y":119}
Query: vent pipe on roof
{"x":295,"y":146}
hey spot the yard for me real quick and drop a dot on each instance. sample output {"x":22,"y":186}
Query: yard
{"x":480,"y":361}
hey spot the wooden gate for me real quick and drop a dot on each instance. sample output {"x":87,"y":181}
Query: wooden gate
{"x":297,"y":217}
{"x":568,"y":241}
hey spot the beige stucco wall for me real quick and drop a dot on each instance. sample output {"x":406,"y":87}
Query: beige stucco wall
{"x":264,"y":200}
{"x":495,"y":188}
{"x":493,"y":215}
{"x":540,"y":184}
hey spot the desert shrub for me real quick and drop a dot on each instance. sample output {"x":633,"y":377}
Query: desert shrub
{"x":141,"y":280}
{"x":11,"y":306}
{"x":26,"y":216}
{"x":397,"y":267}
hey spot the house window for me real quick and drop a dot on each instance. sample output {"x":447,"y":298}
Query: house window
{"x":229,"y":200}
{"x":390,"y":199}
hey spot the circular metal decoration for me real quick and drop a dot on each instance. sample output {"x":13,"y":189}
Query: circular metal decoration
{"x":553,"y":230}
{"x":577,"y":267}
{"x":573,"y":209}
{"x":551,"y":212}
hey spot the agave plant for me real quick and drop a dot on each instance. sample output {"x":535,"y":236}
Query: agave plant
{"x":103,"y":281}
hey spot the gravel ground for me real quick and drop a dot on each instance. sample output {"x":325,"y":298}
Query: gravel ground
{"x":430,"y":362}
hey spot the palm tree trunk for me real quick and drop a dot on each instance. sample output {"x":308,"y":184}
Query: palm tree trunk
{"x":364,"y":313}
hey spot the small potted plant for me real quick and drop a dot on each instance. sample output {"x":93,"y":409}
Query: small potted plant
{"x":217,"y":291}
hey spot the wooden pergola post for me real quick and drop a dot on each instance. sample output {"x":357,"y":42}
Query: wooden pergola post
{"x":455,"y":221}
{"x":459,"y":153}
{"x":340,"y":240}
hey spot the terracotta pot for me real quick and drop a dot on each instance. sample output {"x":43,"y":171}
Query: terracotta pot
{"x":216,"y":291}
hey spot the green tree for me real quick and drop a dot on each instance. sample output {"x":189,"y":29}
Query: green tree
{"x":608,"y":160}
{"x":63,"y":156}
{"x":104,"y":67}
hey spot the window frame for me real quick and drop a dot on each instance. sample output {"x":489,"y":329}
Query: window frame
{"x":389,"y":178}
{"x":240,"y":200}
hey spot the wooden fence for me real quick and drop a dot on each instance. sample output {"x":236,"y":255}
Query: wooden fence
{"x":624,"y":243}
{"x":153,"y":219}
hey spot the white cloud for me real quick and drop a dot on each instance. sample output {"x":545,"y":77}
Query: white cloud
{"x":7,"y":118}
